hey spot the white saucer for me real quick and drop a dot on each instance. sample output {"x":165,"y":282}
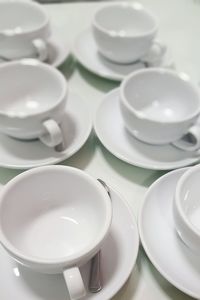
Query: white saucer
{"x":110,"y":130}
{"x":77,"y":124}
{"x":58,"y":48}
{"x":177,"y":263}
{"x":119,"y":255}
{"x":86,"y":53}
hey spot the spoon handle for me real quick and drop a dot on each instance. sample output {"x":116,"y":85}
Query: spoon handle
{"x":95,"y":280}
{"x":3,"y":58}
{"x":95,"y":274}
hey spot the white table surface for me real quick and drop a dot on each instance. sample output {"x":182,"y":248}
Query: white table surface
{"x":180,"y":29}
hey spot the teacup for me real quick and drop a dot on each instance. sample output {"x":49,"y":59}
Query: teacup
{"x":186,"y":208}
{"x":161,"y":106}
{"x":24,"y":29}
{"x":54,"y":219}
{"x":33,"y":97}
{"x":125,"y":32}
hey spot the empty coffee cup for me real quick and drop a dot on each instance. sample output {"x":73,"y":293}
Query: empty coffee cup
{"x":161,"y":106}
{"x":53,"y":220}
{"x":186,"y":208}
{"x":24,"y":29}
{"x":125,"y":32}
{"x":33,"y":96}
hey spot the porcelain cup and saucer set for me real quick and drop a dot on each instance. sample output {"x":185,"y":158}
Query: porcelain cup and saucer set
{"x":26,"y":32}
{"x":155,"y":114}
{"x":169,"y":228}
{"x":53,"y":220}
{"x":41,"y":121}
{"x":121,"y":39}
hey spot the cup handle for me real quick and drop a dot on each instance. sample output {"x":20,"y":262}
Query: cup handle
{"x":155,"y":54}
{"x":74,"y":283}
{"x":41,"y":49}
{"x":53,"y":134}
{"x":190,"y":141}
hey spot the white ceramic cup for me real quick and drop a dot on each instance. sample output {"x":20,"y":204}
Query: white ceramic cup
{"x":186,"y":208}
{"x":33,"y":97}
{"x":54,"y":219}
{"x":24,"y":29}
{"x":125,"y":32}
{"x":161,"y":106}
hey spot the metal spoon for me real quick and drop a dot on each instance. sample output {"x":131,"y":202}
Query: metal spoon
{"x":4,"y":58}
{"x":95,"y":284}
{"x":60,"y":147}
{"x":105,"y":186}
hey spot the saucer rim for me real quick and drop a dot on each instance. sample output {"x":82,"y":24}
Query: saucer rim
{"x":115,"y":76}
{"x":133,"y":220}
{"x":63,"y":155}
{"x":142,"y":235}
{"x":56,"y":40}
{"x":136,"y":234}
{"x":170,"y":166}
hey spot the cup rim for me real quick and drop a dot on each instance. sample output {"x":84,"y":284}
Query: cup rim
{"x":115,"y":34}
{"x":35,"y":63}
{"x":70,"y":259}
{"x":131,"y":76}
{"x":177,"y":198}
{"x":30,"y":4}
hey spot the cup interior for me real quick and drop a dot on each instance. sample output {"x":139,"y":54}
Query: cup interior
{"x":54,"y":213}
{"x":19,"y":17}
{"x":36,"y":88}
{"x":189,"y":200}
{"x":161,"y":95}
{"x":124,"y":19}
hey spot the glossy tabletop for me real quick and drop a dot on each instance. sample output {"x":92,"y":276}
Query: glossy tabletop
{"x":179,"y":28}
